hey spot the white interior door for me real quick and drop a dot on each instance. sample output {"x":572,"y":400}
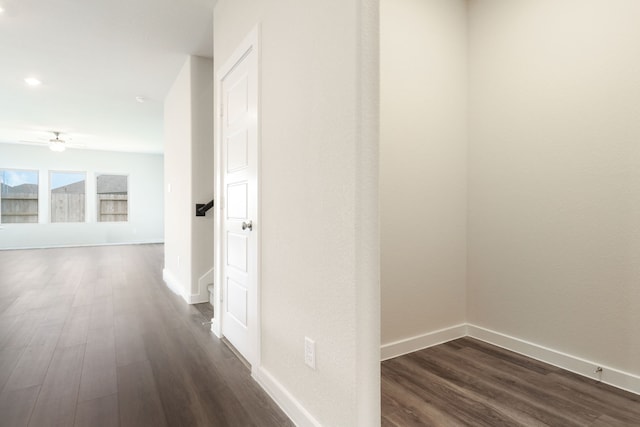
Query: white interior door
{"x":239,"y":211}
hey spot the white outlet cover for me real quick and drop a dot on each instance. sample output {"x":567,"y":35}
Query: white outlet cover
{"x":310,"y":352}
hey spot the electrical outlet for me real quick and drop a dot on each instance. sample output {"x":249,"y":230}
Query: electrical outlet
{"x":310,"y":352}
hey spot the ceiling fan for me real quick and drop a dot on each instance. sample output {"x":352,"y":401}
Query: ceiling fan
{"x":56,"y":144}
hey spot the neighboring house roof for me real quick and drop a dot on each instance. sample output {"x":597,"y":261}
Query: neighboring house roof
{"x":106,"y":184}
{"x":74,"y":188}
{"x":20,"y":189}
{"x":112,"y":184}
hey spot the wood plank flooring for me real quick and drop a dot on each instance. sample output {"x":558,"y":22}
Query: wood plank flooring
{"x":470,"y":383}
{"x":92,"y":337}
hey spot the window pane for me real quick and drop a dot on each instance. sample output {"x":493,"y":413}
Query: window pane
{"x":18,"y":196}
{"x":113,"y":198}
{"x":67,"y":196}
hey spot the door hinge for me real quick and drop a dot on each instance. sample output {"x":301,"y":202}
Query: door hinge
{"x":221,"y":110}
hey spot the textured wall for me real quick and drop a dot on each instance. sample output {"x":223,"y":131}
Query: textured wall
{"x":201,"y":171}
{"x":178,"y":180}
{"x":423,"y":146}
{"x":188,"y":148}
{"x":554,"y":175}
{"x":311,"y":138}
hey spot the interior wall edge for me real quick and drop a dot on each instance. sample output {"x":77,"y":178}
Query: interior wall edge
{"x":367,"y":257}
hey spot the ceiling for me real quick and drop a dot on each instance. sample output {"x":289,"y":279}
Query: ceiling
{"x":94,"y":57}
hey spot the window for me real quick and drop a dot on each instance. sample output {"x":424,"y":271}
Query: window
{"x":67,"y":196}
{"x":18,"y":196}
{"x":113,"y":198}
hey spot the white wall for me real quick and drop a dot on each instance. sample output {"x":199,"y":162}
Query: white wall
{"x":318,"y":202}
{"x":202,"y":175}
{"x":145,"y":197}
{"x":423,"y":144}
{"x":554,"y":175}
{"x":177,"y":183}
{"x":188,"y":165}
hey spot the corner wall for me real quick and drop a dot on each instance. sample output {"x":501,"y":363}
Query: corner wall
{"x":202,"y":175}
{"x":318,"y":279}
{"x":188,"y":158}
{"x":423,"y":188}
{"x":145,"y":198}
{"x":554,"y":175}
{"x":177,"y":184}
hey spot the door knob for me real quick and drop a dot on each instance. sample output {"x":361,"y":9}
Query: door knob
{"x":248,"y":225}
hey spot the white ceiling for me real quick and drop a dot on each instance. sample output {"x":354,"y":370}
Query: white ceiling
{"x":93,"y":58}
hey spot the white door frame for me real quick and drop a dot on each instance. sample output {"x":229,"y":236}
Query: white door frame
{"x":248,"y":45}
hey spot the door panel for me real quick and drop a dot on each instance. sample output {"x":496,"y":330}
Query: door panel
{"x":239,"y":184}
{"x":237,"y":151}
{"x":237,"y":97}
{"x":237,"y":201}
{"x":237,"y":296}
{"x":237,"y":253}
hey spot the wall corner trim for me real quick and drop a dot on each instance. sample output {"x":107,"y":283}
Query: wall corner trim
{"x":409,"y":345}
{"x":284,"y":399}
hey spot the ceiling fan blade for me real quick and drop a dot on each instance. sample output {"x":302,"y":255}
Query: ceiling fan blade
{"x":24,"y":141}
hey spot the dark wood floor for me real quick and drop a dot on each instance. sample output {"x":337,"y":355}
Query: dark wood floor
{"x":470,"y":383}
{"x":206,"y":309}
{"x":92,"y":337}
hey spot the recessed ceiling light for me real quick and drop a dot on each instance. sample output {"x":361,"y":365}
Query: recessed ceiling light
{"x":1,"y":10}
{"x":140,"y":99}
{"x":31,"y":81}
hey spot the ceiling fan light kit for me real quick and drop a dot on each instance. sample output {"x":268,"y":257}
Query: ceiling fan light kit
{"x":32,"y":81}
{"x":56,"y":144}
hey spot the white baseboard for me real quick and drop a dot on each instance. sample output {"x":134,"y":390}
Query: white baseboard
{"x":215,"y":327}
{"x":176,"y":287}
{"x":285,"y":400}
{"x":611,"y":376}
{"x":578,"y":365}
{"x":203,"y":293}
{"x":197,"y":299}
{"x":85,"y":245}
{"x":174,"y":284}
{"x":409,"y":345}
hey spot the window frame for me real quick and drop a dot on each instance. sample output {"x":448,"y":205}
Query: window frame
{"x":97,"y":197}
{"x":49,"y":193}
{"x":37,"y":172}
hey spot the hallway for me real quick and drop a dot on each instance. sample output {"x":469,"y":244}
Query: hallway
{"x":91,"y":337}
